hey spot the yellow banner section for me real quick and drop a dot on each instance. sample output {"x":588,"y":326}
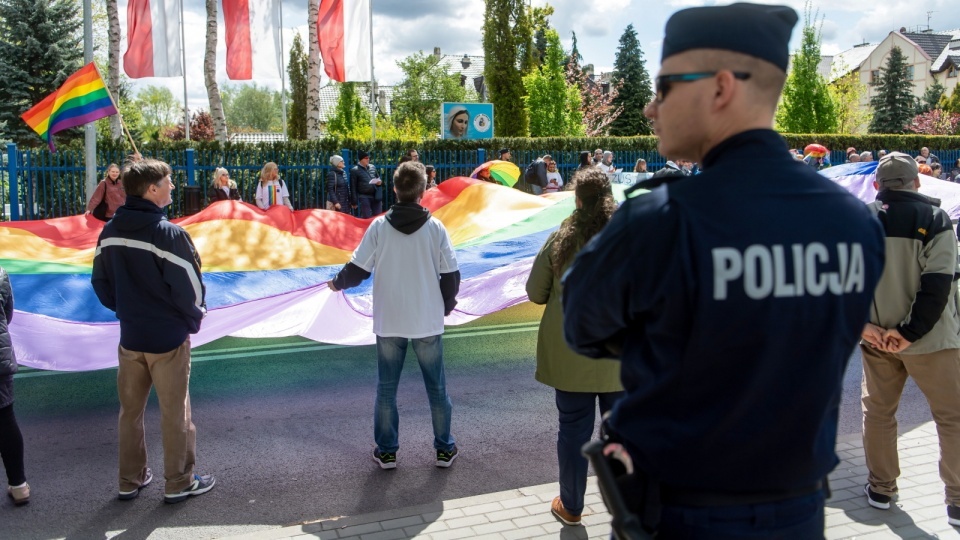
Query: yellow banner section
{"x":485,"y":208}
{"x":232,"y":245}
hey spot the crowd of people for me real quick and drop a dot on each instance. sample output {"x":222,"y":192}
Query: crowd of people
{"x":720,"y":410}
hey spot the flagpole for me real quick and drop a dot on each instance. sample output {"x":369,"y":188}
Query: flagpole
{"x":90,"y":130}
{"x":183,"y":69}
{"x":120,"y":116}
{"x":283,"y":79}
{"x":373,"y":84}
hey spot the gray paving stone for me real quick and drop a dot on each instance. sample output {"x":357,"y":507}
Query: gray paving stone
{"x":537,"y":519}
{"x":395,"y":534}
{"x":508,"y":514}
{"x":401,"y":522}
{"x":481,"y":508}
{"x":357,"y":530}
{"x":452,"y":534}
{"x":526,"y":532}
{"x":490,"y":528}
{"x":520,"y":501}
{"x":466,"y":521}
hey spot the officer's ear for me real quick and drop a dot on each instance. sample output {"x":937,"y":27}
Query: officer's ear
{"x":725,"y":89}
{"x":876,"y":185}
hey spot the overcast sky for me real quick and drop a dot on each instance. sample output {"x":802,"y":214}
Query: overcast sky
{"x":403,"y":27}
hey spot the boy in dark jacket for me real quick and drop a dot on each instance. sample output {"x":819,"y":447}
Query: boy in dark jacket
{"x":147,"y":271}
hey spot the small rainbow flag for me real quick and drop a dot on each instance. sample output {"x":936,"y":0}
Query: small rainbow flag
{"x":82,"y":99}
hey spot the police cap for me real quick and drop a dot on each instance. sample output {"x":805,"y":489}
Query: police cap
{"x":756,"y":30}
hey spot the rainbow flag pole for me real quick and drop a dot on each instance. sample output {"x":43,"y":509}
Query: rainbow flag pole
{"x":81,"y":99}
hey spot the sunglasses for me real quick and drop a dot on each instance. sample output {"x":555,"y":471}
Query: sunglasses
{"x":665,"y":82}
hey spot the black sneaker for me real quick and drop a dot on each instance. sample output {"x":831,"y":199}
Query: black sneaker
{"x":200,"y":485}
{"x":130,"y":495}
{"x":445,"y":459}
{"x":877,"y":500}
{"x":386,"y":460}
{"x":953,"y":515}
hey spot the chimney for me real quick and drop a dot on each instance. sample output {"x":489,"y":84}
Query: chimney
{"x":465,"y":61}
{"x":436,"y":52}
{"x":382,"y":101}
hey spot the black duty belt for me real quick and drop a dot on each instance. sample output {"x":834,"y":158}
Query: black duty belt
{"x":694,"y":497}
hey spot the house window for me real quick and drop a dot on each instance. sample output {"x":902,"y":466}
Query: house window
{"x":953,"y":71}
{"x":874,"y":77}
{"x":910,"y":73}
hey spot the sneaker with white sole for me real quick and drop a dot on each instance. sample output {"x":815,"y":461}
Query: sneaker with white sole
{"x":386,"y":460}
{"x":445,"y":459}
{"x":133,"y":494}
{"x":877,"y":500}
{"x":953,"y":515}
{"x":200,"y":485}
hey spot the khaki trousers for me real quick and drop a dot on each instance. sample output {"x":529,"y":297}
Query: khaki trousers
{"x":937,"y":375}
{"x":169,"y":373}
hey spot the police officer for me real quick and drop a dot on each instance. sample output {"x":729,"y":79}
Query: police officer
{"x":736,"y":310}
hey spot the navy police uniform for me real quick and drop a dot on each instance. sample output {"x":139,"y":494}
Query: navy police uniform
{"x":734,"y":299}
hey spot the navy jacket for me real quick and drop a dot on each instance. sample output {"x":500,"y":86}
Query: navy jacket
{"x":147,"y":270}
{"x":360,"y":178}
{"x":8,"y":359}
{"x":734,"y":299}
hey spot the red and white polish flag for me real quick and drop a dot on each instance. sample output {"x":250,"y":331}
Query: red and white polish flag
{"x":252,"y":30}
{"x":343,"y":30}
{"x":153,"y":39}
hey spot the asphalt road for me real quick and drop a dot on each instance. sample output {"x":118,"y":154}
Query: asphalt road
{"x":286,"y":426}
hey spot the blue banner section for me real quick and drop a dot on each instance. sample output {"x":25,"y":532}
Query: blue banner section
{"x":466,"y":121}
{"x":71,"y":297}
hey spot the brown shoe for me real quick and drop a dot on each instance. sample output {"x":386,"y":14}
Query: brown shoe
{"x":19,"y":494}
{"x":557,"y":509}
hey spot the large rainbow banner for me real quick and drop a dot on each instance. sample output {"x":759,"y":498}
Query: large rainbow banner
{"x":266,"y":272}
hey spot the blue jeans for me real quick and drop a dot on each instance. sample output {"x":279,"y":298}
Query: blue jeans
{"x":800,"y":518}
{"x":577,"y":420}
{"x":386,"y":420}
{"x":369,"y":207}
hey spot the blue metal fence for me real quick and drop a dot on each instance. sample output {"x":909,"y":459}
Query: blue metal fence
{"x":52,"y":185}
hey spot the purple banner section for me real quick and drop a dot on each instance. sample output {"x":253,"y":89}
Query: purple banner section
{"x":315,"y":313}
{"x":857,"y":178}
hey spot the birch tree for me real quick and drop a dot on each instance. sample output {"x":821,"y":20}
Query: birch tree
{"x":210,"y":74}
{"x":113,"y":64}
{"x":313,"y":67}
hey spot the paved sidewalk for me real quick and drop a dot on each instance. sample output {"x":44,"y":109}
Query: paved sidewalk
{"x":525,"y":512}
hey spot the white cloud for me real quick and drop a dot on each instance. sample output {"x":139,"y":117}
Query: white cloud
{"x":403,"y":27}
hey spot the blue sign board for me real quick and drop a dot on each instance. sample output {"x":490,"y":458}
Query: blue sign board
{"x":466,"y":121}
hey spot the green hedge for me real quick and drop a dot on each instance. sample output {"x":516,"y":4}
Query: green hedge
{"x":642,"y":143}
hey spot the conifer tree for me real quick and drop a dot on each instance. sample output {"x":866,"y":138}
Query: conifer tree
{"x":631,"y":78}
{"x":298,"y":70}
{"x":893,"y":104}
{"x":807,"y":105}
{"x":41,"y":44}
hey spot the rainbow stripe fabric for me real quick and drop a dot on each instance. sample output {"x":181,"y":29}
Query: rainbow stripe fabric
{"x":266,"y":272}
{"x":81,"y":99}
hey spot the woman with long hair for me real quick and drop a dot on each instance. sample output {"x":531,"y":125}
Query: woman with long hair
{"x":586,"y":161}
{"x":108,"y":196}
{"x":579,"y":382}
{"x":271,"y":190}
{"x":222,"y":188}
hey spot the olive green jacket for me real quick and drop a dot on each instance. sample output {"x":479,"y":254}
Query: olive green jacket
{"x":557,"y":365}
